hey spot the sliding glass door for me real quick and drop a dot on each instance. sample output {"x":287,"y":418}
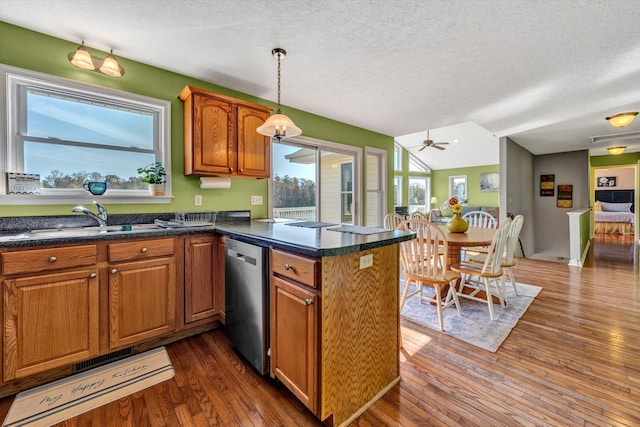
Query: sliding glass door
{"x":315,"y":182}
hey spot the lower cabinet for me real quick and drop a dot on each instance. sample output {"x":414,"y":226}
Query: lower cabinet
{"x":50,"y":320}
{"x":142,"y":301}
{"x":201,"y":301}
{"x":294,"y":343}
{"x":295,"y":325}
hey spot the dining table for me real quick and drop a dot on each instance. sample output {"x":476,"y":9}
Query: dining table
{"x":474,"y":236}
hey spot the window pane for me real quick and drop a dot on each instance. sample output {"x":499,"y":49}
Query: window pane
{"x":294,"y":182}
{"x":416,"y":165}
{"x":64,"y":166}
{"x":347,"y":201}
{"x":336,"y":179}
{"x":397,"y":191}
{"x":417,"y":195}
{"x":397,"y":158}
{"x":67,"y":119}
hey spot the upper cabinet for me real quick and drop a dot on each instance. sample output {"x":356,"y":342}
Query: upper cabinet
{"x":220,"y":137}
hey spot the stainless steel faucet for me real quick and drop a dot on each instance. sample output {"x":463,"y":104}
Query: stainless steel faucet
{"x":101,"y":217}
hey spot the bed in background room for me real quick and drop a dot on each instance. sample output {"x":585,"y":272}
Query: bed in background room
{"x":614,"y":212}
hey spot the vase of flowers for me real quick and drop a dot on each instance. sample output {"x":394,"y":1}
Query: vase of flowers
{"x":457,"y":224}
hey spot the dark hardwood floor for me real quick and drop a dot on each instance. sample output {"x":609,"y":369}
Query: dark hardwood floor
{"x":572,"y":360}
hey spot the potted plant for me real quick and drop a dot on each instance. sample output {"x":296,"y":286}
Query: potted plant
{"x":154,"y":175}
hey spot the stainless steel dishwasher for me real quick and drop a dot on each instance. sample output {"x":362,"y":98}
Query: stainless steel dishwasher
{"x":247,"y":301}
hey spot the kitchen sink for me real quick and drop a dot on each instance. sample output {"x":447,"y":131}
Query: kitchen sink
{"x":63,"y":233}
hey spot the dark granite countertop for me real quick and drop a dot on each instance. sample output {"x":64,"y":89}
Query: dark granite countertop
{"x":317,"y":242}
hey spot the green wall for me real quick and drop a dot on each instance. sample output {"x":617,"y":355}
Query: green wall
{"x":617,"y":160}
{"x":23,"y":48}
{"x":440,"y":185}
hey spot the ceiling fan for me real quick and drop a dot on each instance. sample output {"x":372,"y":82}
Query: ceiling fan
{"x":429,"y":143}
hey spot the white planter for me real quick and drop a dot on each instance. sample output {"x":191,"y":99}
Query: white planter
{"x":156,"y":189}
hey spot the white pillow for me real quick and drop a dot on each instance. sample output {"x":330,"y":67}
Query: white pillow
{"x":616,"y":207}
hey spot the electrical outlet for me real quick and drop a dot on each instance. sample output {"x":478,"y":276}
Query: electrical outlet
{"x":366,"y":261}
{"x":256,"y":200}
{"x":197,"y":200}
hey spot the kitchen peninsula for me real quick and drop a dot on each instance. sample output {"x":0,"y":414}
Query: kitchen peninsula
{"x":334,"y":315}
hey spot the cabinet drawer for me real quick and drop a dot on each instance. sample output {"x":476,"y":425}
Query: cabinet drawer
{"x":300,"y":269}
{"x":140,"y":250}
{"x":48,"y":259}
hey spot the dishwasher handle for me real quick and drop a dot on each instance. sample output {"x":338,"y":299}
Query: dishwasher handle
{"x":241,"y":257}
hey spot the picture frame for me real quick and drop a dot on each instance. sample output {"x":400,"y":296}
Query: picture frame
{"x":565,"y":196}
{"x":547,"y":185}
{"x":489,"y":182}
{"x":607,"y":181}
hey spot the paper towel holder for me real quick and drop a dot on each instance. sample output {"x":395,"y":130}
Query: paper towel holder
{"x":214,"y":182}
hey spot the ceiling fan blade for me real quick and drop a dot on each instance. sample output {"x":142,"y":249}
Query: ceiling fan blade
{"x":442,"y":143}
{"x":438,"y":147}
{"x":422,"y":147}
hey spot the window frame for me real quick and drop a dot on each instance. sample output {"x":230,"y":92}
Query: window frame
{"x":14,"y":83}
{"x":466,"y":187}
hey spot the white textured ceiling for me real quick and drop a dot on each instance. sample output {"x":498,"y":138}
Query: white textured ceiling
{"x":545,"y":73}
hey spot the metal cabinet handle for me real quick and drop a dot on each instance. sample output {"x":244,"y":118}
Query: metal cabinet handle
{"x":288,"y":266}
{"x":53,"y":259}
{"x":230,"y":169}
{"x":308,"y":301}
{"x":114,"y":271}
{"x":240,"y":170}
{"x":93,"y":275}
{"x":143,"y":250}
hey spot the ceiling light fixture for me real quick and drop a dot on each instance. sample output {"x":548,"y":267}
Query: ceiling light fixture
{"x":83,"y":59}
{"x":278,"y":125}
{"x":616,"y":150}
{"x":623,"y":119}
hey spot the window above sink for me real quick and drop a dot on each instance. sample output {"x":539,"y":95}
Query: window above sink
{"x":70,"y":132}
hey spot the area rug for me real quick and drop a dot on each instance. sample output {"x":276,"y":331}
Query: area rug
{"x":474,"y":326}
{"x":66,"y":398}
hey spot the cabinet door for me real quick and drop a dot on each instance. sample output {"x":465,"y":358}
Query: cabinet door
{"x":199,"y":278}
{"x":294,"y":340}
{"x":142,"y":301}
{"x":219,"y":288}
{"x":212,"y":145}
{"x":49,"y":321}
{"x":254,"y":150}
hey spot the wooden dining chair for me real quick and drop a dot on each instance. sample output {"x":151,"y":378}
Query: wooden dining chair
{"x":418,"y":215}
{"x":392,"y":220}
{"x":477,"y":278}
{"x":424,"y":265}
{"x":509,"y":257}
{"x":478,"y":219}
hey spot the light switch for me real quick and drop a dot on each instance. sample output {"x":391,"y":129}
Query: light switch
{"x":197,"y":200}
{"x":256,"y":200}
{"x":366,"y":261}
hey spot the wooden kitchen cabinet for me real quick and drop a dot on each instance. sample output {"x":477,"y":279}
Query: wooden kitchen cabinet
{"x":50,"y":318}
{"x":142,"y":292}
{"x":200,"y":281}
{"x":294,"y":345}
{"x":295,"y":325}
{"x":334,"y":329}
{"x":220,"y":137}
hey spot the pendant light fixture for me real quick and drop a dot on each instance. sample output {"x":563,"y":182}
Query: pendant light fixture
{"x":278,"y":125}
{"x":623,"y":119}
{"x":83,"y":59}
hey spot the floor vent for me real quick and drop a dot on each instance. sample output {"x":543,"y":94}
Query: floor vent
{"x":102,"y":360}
